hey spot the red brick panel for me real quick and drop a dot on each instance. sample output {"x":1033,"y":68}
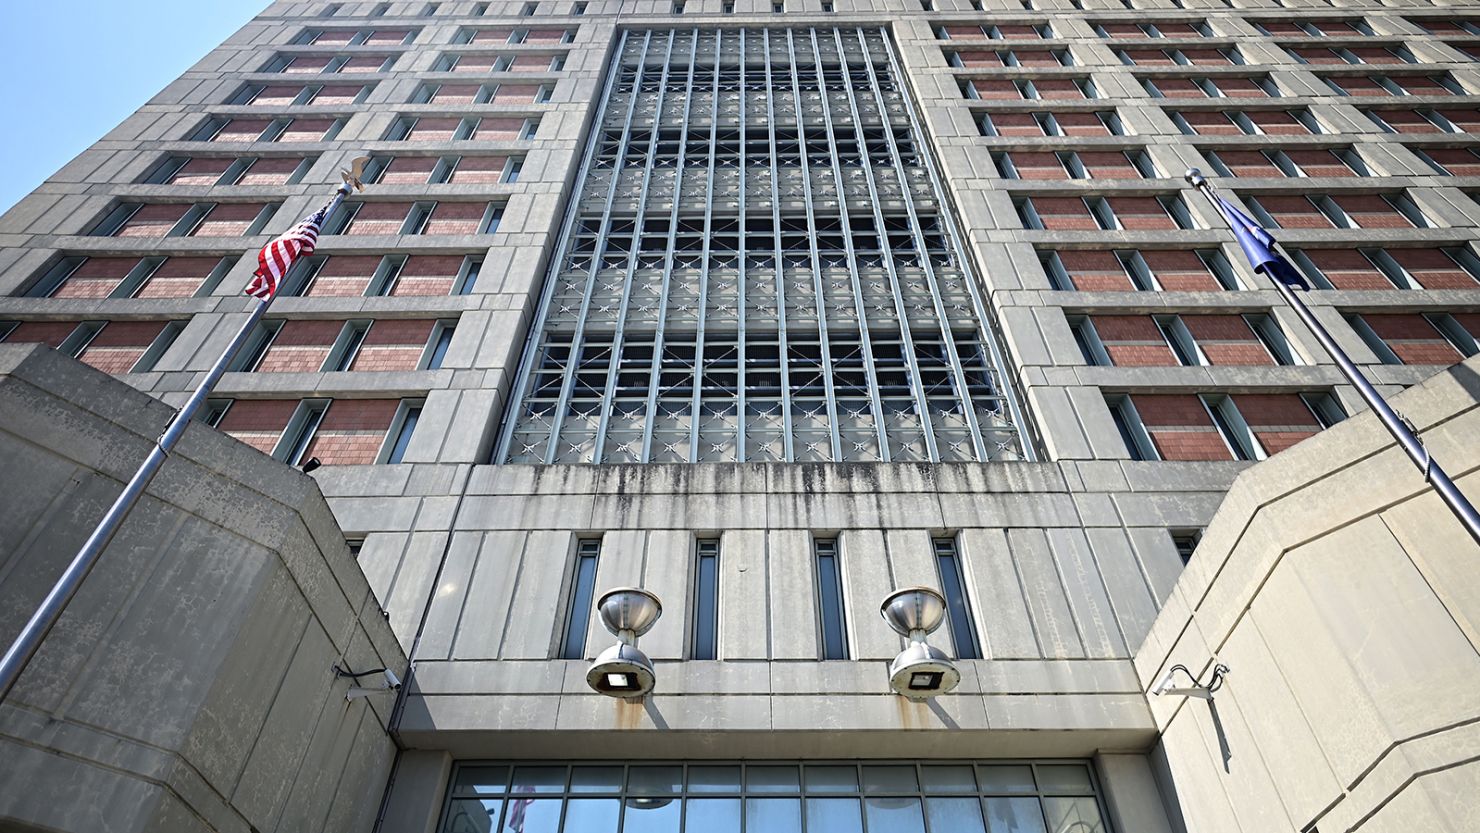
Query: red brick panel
{"x":1359,"y":85}
{"x":1140,"y":213}
{"x":343,"y":276}
{"x":228,"y":220}
{"x":1248,"y":163}
{"x":153,"y":221}
{"x":1095,"y":271}
{"x":308,"y":64}
{"x":300,"y":347}
{"x":1408,"y":121}
{"x":1108,"y":165}
{"x":1348,"y":269}
{"x":529,"y":63}
{"x":499,"y":129}
{"x":1057,"y":88}
{"x":379,"y":218}
{"x":1319,"y":55}
{"x":979,"y":59}
{"x":1466,"y":120}
{"x":478,"y":170}
{"x":456,"y":218}
{"x":1018,"y":31}
{"x":334,"y":37}
{"x":1203,"y":57}
{"x":427,"y":275}
{"x":996,"y":89}
{"x":120,"y":345}
{"x":242,"y":130}
{"x":1036,"y":57}
{"x":1064,"y":214}
{"x":1178,"y":88}
{"x":1179,"y":29}
{"x":1422,"y":85}
{"x":409,"y":170}
{"x":1458,"y":161}
{"x":50,"y":333}
{"x":1014,"y":124}
{"x":1037,"y":165}
{"x":1180,"y":427}
{"x":1211,"y":123}
{"x":481,"y":64}
{"x":1133,"y":341}
{"x":1283,"y":27}
{"x":258,"y":422}
{"x":1413,"y":338}
{"x":515,"y":93}
{"x":1180,"y":271}
{"x":433,"y":130}
{"x":1442,"y":27}
{"x":1150,"y":57}
{"x":1278,"y":420}
{"x":498,"y":35}
{"x":1277,"y":123}
{"x":1470,"y":321}
{"x":306,"y":130}
{"x":352,"y":431}
{"x":1375,"y":54}
{"x":270,"y":171}
{"x":1371,"y":211}
{"x":337,"y":95}
{"x":1241,"y":88}
{"x":1081,"y":124}
{"x":277,"y":95}
{"x":177,"y":277}
{"x":1294,"y":212}
{"x":97,"y":277}
{"x":201,"y":172}
{"x":364,"y":63}
{"x":1319,"y":162}
{"x":1122,"y":30}
{"x":964,"y":32}
{"x":545,"y":36}
{"x":1433,"y":269}
{"x":1227,"y":339}
{"x":456,"y":94}
{"x":393,"y":345}
{"x":1339,"y":27}
{"x":387,"y":37}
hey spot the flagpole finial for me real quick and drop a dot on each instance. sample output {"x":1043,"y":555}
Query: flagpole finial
{"x":352,"y":175}
{"x":1195,"y":178}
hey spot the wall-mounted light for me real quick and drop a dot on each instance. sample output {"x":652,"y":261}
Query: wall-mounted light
{"x":1203,"y":691}
{"x":920,"y":671}
{"x":622,"y":670}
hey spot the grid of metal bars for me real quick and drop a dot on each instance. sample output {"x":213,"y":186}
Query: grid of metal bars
{"x":759,"y":266}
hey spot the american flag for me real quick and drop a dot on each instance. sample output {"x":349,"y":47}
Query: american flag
{"x":276,"y":257}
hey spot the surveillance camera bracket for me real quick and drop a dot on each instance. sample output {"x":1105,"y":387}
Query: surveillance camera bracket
{"x":1200,"y":690}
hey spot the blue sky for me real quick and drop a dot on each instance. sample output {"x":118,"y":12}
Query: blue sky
{"x":72,"y":69}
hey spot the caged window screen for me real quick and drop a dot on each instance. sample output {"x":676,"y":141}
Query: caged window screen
{"x":759,"y":265}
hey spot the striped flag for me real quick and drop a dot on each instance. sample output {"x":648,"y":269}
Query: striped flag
{"x":278,"y":256}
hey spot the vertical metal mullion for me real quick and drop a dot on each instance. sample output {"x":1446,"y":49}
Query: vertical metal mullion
{"x":741,"y":272}
{"x":696,"y":409}
{"x":577,"y":341}
{"x":987,"y":331}
{"x":659,"y":336}
{"x":620,"y":334}
{"x":782,"y":349}
{"x":943,"y":323}
{"x":865,"y":342}
{"x":817,"y":287}
{"x":907,"y":340}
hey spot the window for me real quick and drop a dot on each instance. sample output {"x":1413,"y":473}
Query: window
{"x":1324,"y":405}
{"x":1090,"y":345}
{"x":578,"y":9}
{"x":1231,"y":425}
{"x":704,"y":642}
{"x":299,"y":433}
{"x":778,"y":8}
{"x":1132,"y":431}
{"x":582,"y":598}
{"x":1272,"y":337}
{"x":437,"y":345}
{"x":467,"y":276}
{"x":1186,"y":541}
{"x":511,"y":170}
{"x":958,"y":609}
{"x":403,"y":427}
{"x":529,"y":9}
{"x":342,"y":354}
{"x":830,"y":611}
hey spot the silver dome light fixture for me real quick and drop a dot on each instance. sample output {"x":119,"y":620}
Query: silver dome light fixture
{"x":920,"y":671}
{"x":622,"y":670}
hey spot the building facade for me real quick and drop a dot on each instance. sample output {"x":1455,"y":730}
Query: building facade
{"x":772,"y":308}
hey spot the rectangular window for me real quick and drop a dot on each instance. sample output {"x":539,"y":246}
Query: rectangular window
{"x":705,"y":640}
{"x":437,"y":346}
{"x":1132,"y":431}
{"x":299,"y":433}
{"x":582,"y":597}
{"x":1186,"y":541}
{"x":830,"y":611}
{"x":958,"y":609}
{"x":400,"y":435}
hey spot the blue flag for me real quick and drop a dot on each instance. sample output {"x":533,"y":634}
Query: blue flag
{"x":1258,"y":248}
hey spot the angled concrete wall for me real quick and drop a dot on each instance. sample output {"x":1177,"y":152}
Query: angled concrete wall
{"x":188,"y":687}
{"x":1343,"y":596}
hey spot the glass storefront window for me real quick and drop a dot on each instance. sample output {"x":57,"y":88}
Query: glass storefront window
{"x":1053,"y":796}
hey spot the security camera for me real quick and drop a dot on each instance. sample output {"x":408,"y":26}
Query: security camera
{"x":356,"y":692}
{"x":392,"y":682}
{"x":1167,"y":685}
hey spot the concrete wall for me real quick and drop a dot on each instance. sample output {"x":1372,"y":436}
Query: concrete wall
{"x":188,"y":687}
{"x":1342,"y":594}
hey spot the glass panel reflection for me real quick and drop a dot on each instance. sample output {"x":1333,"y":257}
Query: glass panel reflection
{"x":596,"y":779}
{"x":1064,"y":778}
{"x":532,"y":815}
{"x":957,"y":815}
{"x":774,"y":815}
{"x":832,"y":779}
{"x":890,"y":779}
{"x":712,"y":815}
{"x":592,"y":815}
{"x":1073,"y":815}
{"x":834,"y":815}
{"x":772,"y":779}
{"x":1006,"y":778}
{"x":896,"y":815}
{"x":473,"y":815}
{"x":652,"y":815}
{"x":539,"y":779}
{"x":481,"y":780}
{"x":714,"y":779}
{"x":948,"y":779}
{"x":654,"y":780}
{"x":1014,"y":815}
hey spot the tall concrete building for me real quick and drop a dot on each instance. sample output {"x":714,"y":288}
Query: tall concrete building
{"x":774,"y":307}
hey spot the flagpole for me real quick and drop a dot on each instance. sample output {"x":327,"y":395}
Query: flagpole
{"x":29,"y":640}
{"x":1391,"y":420}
